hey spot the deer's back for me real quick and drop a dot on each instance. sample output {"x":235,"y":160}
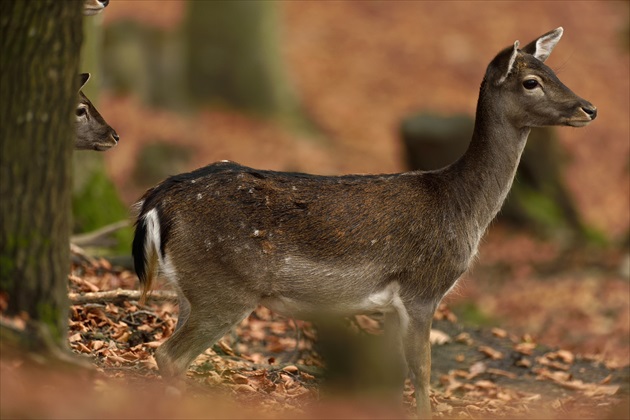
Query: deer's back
{"x":278,"y":229}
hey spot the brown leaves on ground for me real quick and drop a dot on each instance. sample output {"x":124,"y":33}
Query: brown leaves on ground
{"x":517,"y":377}
{"x":271,"y":362}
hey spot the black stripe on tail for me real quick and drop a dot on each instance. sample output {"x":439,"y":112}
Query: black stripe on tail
{"x":138,"y":249}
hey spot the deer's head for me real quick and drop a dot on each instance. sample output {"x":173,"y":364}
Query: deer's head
{"x":529,"y":92}
{"x":92,"y":131}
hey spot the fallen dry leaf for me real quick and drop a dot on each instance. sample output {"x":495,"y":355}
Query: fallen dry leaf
{"x":498,"y":332}
{"x":485,"y":384}
{"x":546,"y":361}
{"x":501,"y":372}
{"x":237,"y":378}
{"x":97,"y":345}
{"x":490,"y":352}
{"x":523,"y":362}
{"x":476,"y":369}
{"x":443,"y":408}
{"x":464,"y":338}
{"x":438,"y":337}
{"x":243,"y":389}
{"x":526,"y":348}
{"x":290,"y":369}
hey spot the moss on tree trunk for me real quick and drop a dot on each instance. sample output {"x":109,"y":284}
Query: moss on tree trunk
{"x":39,"y":44}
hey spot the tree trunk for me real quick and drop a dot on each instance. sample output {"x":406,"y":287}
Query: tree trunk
{"x":234,"y":58}
{"x":39,"y":44}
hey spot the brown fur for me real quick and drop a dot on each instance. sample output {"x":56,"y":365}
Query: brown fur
{"x":231,"y":237}
{"x":92,"y":131}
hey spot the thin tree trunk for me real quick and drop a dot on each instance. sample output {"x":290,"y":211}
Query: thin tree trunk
{"x":234,"y":58}
{"x":39,"y":45}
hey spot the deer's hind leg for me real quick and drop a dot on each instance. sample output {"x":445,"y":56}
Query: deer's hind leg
{"x":204,"y":319}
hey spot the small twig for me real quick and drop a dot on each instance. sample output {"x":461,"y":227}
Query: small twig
{"x":295,"y":355}
{"x":118,"y":294}
{"x":96,"y":237}
{"x":123,"y":261}
{"x":131,"y":320}
{"x":80,"y":255}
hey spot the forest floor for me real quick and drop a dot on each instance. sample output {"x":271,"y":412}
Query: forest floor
{"x":271,"y":366}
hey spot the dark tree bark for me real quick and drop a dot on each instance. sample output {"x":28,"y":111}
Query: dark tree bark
{"x":39,"y":55}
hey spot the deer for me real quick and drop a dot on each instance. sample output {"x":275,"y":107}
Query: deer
{"x":93,"y":7}
{"x":229,"y":237}
{"x":92,"y":131}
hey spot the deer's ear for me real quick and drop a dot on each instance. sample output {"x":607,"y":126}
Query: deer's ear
{"x":83,"y":78}
{"x":510,"y":64}
{"x":541,"y":48}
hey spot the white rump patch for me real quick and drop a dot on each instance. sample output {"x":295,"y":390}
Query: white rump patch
{"x":152,"y":241}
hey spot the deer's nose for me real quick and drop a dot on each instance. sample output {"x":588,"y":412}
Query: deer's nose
{"x":115,"y":136}
{"x":104,"y":2}
{"x":591,"y":111}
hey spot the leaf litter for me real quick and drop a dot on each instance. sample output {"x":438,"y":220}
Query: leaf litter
{"x":273,"y":363}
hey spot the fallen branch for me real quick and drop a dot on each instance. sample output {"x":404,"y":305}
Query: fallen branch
{"x":99,"y":236}
{"x":80,"y":256}
{"x":121,"y":261}
{"x":118,"y":294}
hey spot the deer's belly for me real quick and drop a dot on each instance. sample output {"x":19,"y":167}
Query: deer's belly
{"x":385,"y":300}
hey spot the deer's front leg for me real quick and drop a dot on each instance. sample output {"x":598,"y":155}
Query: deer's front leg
{"x":418,"y":355}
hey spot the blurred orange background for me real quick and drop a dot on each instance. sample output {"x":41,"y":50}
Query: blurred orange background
{"x":359,"y":67}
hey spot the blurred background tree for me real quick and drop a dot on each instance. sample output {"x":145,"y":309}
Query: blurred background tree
{"x":224,"y":53}
{"x":233,"y":58}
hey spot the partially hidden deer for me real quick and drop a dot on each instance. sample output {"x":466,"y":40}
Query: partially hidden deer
{"x":228,"y":237}
{"x":93,"y":7}
{"x":92,"y":131}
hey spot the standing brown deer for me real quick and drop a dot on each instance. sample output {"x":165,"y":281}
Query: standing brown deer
{"x":92,"y":131}
{"x":229,"y":237}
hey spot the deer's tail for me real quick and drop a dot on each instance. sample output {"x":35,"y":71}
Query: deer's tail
{"x":145,"y":248}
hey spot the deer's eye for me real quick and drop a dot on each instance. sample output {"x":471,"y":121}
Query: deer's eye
{"x":81,"y":111}
{"x":530,"y":84}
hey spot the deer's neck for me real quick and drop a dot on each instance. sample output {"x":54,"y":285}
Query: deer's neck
{"x":483,"y":176}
